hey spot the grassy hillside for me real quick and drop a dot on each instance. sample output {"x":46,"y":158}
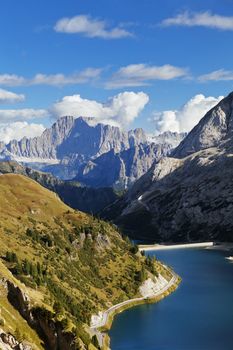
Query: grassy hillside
{"x":69,"y":264}
{"x":87,"y":199}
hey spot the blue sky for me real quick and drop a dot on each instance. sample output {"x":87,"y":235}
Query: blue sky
{"x":170,"y":50}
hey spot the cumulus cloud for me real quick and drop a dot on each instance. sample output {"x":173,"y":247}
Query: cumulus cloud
{"x":10,"y":97}
{"x":17,"y":130}
{"x":200,"y":19}
{"x":12,"y":115}
{"x":90,"y":27}
{"x":141,"y":74}
{"x":119,"y":110}
{"x":184,"y":119}
{"x":82,"y":77}
{"x":217,"y":75}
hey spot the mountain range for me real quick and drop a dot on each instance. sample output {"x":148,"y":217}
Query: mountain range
{"x":94,"y":154}
{"x":187,"y":196}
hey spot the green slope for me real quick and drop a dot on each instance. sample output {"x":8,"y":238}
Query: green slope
{"x":70,"y":265}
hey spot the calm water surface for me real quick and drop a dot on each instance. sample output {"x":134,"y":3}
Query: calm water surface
{"x":198,"y":316}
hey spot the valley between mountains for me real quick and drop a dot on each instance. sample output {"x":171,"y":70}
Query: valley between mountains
{"x":70,"y":199}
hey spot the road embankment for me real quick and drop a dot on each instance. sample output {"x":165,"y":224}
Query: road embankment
{"x":147,"y":247}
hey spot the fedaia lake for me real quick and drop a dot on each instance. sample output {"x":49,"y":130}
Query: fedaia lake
{"x":198,"y":316}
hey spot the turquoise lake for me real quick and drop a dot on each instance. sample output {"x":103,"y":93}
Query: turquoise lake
{"x":198,"y":316}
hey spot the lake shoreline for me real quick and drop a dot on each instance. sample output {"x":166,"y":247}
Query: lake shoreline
{"x":148,"y":247}
{"x":207,"y":278}
{"x":101,"y":331}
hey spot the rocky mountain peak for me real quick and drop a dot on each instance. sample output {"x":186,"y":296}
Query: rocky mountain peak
{"x":187,"y":196}
{"x":85,"y":149}
{"x":213,"y":130}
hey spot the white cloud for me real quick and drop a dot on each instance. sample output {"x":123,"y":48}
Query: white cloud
{"x":120,"y":110}
{"x":85,"y":76}
{"x":184,"y":119}
{"x":12,"y":115}
{"x":18,"y":130}
{"x":60,"y":79}
{"x":142,"y":74}
{"x":217,"y":75}
{"x":11,"y":80}
{"x":10,"y":97}
{"x":200,"y":19}
{"x":90,"y":27}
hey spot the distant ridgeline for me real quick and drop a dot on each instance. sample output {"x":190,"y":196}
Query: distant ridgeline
{"x":96,"y":155}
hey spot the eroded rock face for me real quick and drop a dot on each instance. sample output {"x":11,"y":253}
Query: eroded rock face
{"x":121,"y":170}
{"x":20,"y":300}
{"x":51,"y":331}
{"x":9,"y":342}
{"x":213,"y":129}
{"x":74,"y":136}
{"x":79,"y":148}
{"x":46,"y":145}
{"x":189,"y":195}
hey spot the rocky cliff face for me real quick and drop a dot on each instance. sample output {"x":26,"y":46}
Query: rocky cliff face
{"x":9,"y":342}
{"x":53,"y":333}
{"x":79,"y":148}
{"x":69,"y":137}
{"x":189,"y":196}
{"x":213,"y":129}
{"x":121,"y":170}
{"x":44,"y":147}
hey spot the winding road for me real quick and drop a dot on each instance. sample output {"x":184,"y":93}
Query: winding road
{"x":104,"y":320}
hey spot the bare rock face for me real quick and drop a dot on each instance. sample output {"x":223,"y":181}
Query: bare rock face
{"x":70,"y":136}
{"x":9,"y":342}
{"x":121,"y":170}
{"x":52,"y":332}
{"x":96,"y":154}
{"x":45,"y":146}
{"x":214,"y":128}
{"x":189,"y":195}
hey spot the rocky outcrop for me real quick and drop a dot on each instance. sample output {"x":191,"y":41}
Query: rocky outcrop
{"x":51,"y":331}
{"x":188,"y":196}
{"x":9,"y":342}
